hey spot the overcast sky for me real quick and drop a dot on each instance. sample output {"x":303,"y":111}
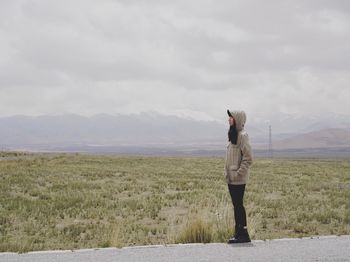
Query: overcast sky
{"x":189,"y":58}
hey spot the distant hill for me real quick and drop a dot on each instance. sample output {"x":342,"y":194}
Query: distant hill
{"x":107,"y":130}
{"x":151,"y":133}
{"x":325,"y":138}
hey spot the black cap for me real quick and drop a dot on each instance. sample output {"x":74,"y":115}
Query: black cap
{"x":229,"y":113}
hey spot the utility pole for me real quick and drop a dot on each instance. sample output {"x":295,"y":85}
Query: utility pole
{"x":270,"y":153}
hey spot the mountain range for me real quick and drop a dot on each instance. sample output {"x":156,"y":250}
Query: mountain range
{"x":325,"y":138}
{"x":146,"y":130}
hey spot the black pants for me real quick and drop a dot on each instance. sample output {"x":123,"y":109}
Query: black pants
{"x":237,"y":194}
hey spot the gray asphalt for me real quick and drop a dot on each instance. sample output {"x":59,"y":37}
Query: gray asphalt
{"x":331,"y":248}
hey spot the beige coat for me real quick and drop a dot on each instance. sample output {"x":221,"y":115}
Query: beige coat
{"x":238,"y":157}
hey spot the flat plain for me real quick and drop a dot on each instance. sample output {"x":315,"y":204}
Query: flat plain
{"x":71,"y":201}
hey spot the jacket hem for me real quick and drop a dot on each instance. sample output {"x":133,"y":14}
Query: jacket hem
{"x":237,"y":183}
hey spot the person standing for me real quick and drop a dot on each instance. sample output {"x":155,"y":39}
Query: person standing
{"x":237,"y":163}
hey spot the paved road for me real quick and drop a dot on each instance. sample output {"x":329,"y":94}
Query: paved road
{"x":307,"y":249}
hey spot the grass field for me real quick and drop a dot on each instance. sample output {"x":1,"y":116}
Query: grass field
{"x":70,"y":201}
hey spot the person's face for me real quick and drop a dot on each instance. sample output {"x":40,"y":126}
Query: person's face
{"x":231,"y":121}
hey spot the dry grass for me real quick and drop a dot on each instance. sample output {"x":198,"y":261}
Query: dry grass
{"x":78,"y":201}
{"x":196,"y":231}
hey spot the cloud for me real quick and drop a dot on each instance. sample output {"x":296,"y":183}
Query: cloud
{"x":181,"y":57}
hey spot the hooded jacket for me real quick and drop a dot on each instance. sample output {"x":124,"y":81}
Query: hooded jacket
{"x":238,"y":156}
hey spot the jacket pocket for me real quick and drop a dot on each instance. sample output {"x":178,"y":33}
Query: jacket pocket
{"x":232,"y":173}
{"x":233,"y":167}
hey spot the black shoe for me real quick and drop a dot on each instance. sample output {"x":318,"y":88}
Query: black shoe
{"x":234,"y":238}
{"x":241,"y":237}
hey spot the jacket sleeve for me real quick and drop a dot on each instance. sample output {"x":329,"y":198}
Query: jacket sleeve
{"x":247,"y":156}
